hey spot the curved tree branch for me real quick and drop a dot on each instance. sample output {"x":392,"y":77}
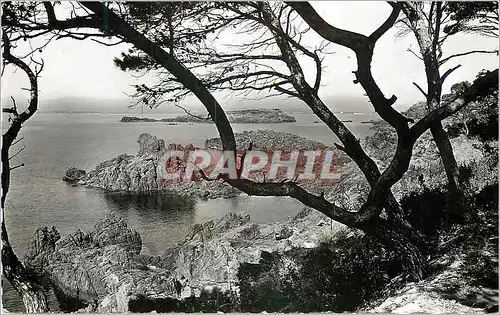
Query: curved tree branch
{"x":375,"y":36}
{"x":363,"y":47}
{"x":191,"y":82}
{"x":444,"y":60}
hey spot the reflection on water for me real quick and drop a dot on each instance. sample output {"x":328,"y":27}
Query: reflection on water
{"x":161,"y":219}
{"x":158,"y":203}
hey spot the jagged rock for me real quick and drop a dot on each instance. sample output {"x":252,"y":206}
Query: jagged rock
{"x":285,"y":232}
{"x":212,"y":252}
{"x":74,"y":174}
{"x":150,"y":144}
{"x":105,"y":268}
{"x":100,"y":266}
{"x":112,"y":231}
{"x":41,"y":246}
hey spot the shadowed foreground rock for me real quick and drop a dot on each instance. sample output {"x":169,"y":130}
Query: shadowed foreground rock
{"x":104,"y":268}
{"x":98,"y":267}
{"x":233,"y":264}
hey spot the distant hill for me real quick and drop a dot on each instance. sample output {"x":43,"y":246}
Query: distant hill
{"x":85,"y":105}
{"x":119,"y":106}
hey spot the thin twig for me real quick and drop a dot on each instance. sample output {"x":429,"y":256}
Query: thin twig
{"x":420,"y":89}
{"x":17,"y":153}
{"x":448,"y":72}
{"x":15,"y":142}
{"x":17,"y":166}
{"x":468,"y":53}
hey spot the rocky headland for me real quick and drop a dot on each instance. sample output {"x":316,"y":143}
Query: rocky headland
{"x":142,"y":172}
{"x":244,"y":116}
{"x":472,"y":138}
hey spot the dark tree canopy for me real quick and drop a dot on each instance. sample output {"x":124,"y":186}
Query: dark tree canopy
{"x":471,"y":16}
{"x":460,"y":87}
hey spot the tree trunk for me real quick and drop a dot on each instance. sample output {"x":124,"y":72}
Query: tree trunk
{"x":426,"y":38}
{"x":408,"y":245}
{"x":21,"y":279}
{"x":457,"y":205}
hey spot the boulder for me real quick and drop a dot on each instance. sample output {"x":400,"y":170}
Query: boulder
{"x":113,"y":231}
{"x":41,"y":246}
{"x":149,"y":144}
{"x":284,"y":233}
{"x":74,"y":174}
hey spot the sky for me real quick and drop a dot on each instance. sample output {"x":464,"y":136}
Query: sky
{"x":85,"y":69}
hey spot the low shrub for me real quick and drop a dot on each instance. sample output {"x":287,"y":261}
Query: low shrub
{"x":340,"y":275}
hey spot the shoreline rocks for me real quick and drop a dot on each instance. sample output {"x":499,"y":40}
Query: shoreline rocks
{"x":98,"y":267}
{"x":144,"y":172}
{"x":244,"y":116}
{"x":105,"y":270}
{"x":222,"y":265}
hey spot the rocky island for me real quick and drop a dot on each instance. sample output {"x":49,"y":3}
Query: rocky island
{"x":244,"y":116}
